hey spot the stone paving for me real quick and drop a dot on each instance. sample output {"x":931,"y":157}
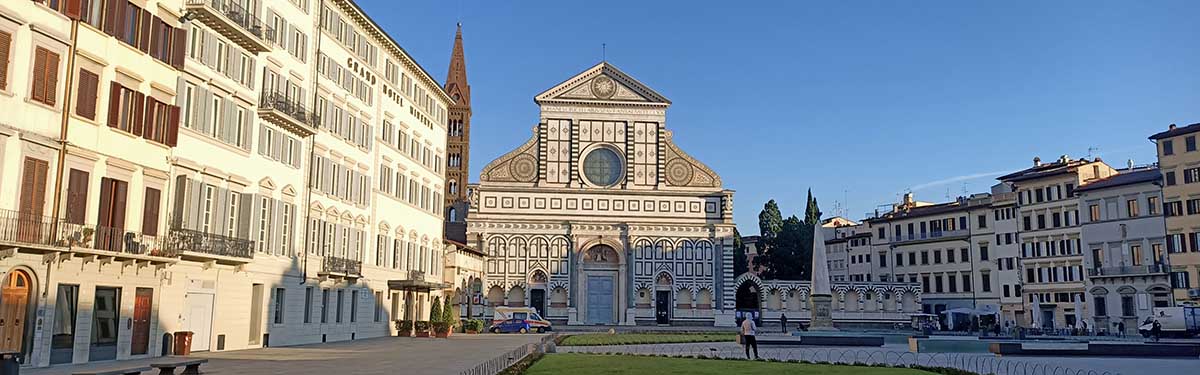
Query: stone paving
{"x":385,"y":355}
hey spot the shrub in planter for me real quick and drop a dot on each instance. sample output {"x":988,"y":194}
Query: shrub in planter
{"x":422,"y":328}
{"x":404,"y":328}
{"x":441,"y":329}
{"x":473,"y":326}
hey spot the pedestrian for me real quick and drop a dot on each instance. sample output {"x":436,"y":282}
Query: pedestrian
{"x":748,"y":331}
{"x":783,"y":322}
{"x":1121,"y":329}
{"x":1085,"y":327}
{"x":1156,"y":330}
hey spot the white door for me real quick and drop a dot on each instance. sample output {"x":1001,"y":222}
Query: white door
{"x":198,"y":319}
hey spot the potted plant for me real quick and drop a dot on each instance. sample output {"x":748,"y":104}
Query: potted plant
{"x":422,"y":328}
{"x":87,"y":235}
{"x":473,"y":326}
{"x":448,"y":315}
{"x":441,"y":330}
{"x":435,"y":317}
{"x":404,"y":328}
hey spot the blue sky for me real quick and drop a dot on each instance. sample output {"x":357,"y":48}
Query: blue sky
{"x":858,"y":100}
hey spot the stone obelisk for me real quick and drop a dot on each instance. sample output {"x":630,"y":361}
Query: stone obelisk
{"x":821,"y":297}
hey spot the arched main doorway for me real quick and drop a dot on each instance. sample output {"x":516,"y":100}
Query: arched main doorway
{"x":749,"y":303}
{"x":601,"y":276}
{"x":16,"y":300}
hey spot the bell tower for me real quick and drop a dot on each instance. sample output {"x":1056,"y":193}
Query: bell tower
{"x":458,"y":142}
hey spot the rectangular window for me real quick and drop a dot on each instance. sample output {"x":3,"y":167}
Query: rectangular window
{"x":5,"y":56}
{"x":86,"y":94}
{"x":279,"y":293}
{"x":353,"y":306}
{"x":966,"y":282}
{"x":983,"y":253}
{"x":985,"y":279}
{"x":1170,"y":178}
{"x":1135,"y":254}
{"x":1131,"y":206}
{"x":44,"y":76}
{"x":324,"y":305}
{"x":379,"y":307}
{"x":1152,"y":205}
{"x":1189,"y":143}
{"x":966,"y":254}
{"x":340,"y":301}
{"x":1094,"y":212}
{"x":66,"y":309}
{"x":1168,"y":147}
{"x":308,"y":301}
{"x":1099,"y":306}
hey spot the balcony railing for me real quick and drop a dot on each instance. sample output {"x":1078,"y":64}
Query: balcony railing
{"x":181,"y":240}
{"x":1127,"y":270}
{"x":935,"y":235}
{"x":25,"y":228}
{"x":120,"y":240}
{"x":235,"y":22}
{"x":297,"y":115}
{"x":341,"y":266}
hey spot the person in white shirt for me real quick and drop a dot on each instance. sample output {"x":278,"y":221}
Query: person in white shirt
{"x":748,"y":331}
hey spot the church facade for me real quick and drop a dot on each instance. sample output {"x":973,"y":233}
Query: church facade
{"x":600,"y":219}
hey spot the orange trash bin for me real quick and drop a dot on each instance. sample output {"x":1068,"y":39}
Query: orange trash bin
{"x":183,"y":343}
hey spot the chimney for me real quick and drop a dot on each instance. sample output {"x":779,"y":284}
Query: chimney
{"x":908,"y":199}
{"x":1064,"y":159}
{"x":1130,"y":163}
{"x":1171,"y":127}
{"x":1037,"y":162}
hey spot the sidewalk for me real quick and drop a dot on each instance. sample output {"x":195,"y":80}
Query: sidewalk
{"x":385,"y":355}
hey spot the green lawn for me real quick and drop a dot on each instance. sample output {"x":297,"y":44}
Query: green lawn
{"x":588,"y":364}
{"x":646,"y":338}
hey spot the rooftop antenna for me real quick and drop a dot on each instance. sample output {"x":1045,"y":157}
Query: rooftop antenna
{"x":1092,"y":150}
{"x":604,"y":52}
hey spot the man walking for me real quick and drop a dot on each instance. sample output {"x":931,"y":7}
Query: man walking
{"x":1156,"y":330}
{"x":748,"y":331}
{"x":783,"y":322}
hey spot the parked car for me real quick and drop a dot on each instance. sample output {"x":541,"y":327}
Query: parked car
{"x":518,"y":319}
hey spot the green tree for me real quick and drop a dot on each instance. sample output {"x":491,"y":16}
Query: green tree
{"x":435,"y":310}
{"x":770,"y":221}
{"x":448,"y":311}
{"x":787,"y":254}
{"x":739,"y":254}
{"x":812,"y":213}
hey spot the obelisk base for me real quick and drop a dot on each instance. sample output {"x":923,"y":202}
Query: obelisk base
{"x":822,"y":310}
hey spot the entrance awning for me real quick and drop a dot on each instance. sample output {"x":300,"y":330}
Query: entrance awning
{"x":416,"y":285}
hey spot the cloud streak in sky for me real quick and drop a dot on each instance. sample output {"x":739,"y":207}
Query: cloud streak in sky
{"x":966,"y":177}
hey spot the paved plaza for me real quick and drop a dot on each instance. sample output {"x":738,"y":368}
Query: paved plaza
{"x":387,"y":355}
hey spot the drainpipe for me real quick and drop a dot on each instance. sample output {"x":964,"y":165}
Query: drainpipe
{"x":62,"y":141}
{"x":312,"y":146}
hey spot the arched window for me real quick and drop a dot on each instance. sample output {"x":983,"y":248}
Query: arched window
{"x":452,"y":214}
{"x":453,"y":187}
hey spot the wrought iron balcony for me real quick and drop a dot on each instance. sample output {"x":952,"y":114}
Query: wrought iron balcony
{"x":341,"y":267}
{"x":943,"y":235}
{"x":83,"y":237}
{"x":1149,"y":269}
{"x":233,"y":21}
{"x":200,"y":245}
{"x":27,"y":229}
{"x":288,"y":113}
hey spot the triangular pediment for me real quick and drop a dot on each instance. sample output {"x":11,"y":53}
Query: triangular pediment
{"x":602,"y":83}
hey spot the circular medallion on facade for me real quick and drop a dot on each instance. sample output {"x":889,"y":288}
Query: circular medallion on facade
{"x":524,"y":167}
{"x":603,"y":87}
{"x":602,"y":166}
{"x":679,"y":172}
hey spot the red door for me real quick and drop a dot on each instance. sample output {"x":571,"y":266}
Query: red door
{"x":141,"y":321}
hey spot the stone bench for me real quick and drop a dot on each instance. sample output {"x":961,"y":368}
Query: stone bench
{"x":189,"y":366}
{"x":121,"y":371}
